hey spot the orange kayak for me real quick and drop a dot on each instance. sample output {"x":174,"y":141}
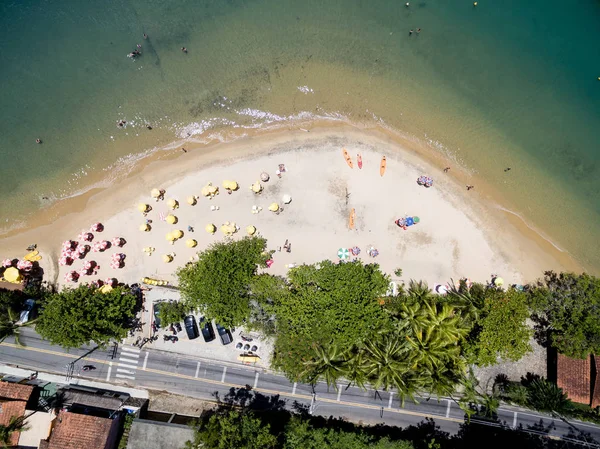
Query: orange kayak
{"x":351,"y":219}
{"x":347,"y":157}
{"x":382,"y":166}
{"x":359,"y":159}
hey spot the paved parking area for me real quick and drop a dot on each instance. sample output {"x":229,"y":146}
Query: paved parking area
{"x":213,"y":350}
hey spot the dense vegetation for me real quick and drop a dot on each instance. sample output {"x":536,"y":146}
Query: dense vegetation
{"x":75,"y":317}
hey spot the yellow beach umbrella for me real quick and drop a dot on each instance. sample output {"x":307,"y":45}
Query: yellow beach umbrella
{"x":105,"y":289}
{"x":155,"y":193}
{"x":171,"y":219}
{"x":274,"y":207}
{"x":178,"y":233}
{"x":191,"y":200}
{"x":256,"y":187}
{"x":170,"y":236}
{"x":145,"y":227}
{"x":210,"y":228}
{"x":143,"y":207}
{"x":250,"y":230}
{"x":172,"y":203}
{"x":167,"y":258}
{"x":231,"y":185}
{"x":13,"y":275}
{"x":191,"y":243}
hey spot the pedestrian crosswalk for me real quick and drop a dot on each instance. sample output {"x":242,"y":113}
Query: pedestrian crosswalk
{"x":128,"y":362}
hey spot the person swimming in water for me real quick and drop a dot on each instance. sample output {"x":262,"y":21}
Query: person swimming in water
{"x":145,"y":36}
{"x":38,"y":140}
{"x":183,"y":49}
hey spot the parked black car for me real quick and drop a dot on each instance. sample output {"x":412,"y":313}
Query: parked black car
{"x":191,"y":328}
{"x":208,"y":332}
{"x":225,"y":335}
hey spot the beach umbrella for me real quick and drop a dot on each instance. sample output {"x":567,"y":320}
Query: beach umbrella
{"x":274,"y":207}
{"x":264,"y":176}
{"x":210,"y":228}
{"x":409,"y":221}
{"x":498,"y":282}
{"x":72,"y":276}
{"x":171,"y":219}
{"x":83,"y":272}
{"x":355,"y":251}
{"x":191,"y":243}
{"x":343,"y":253}
{"x":178,"y":233}
{"x":250,"y":230}
{"x":13,"y":275}
{"x":230,"y":185}
{"x":145,"y":227}
{"x":105,"y":289}
{"x":256,"y":187}
{"x":287,"y":199}
{"x":114,"y":264}
{"x":167,"y":258}
{"x":191,"y":200}
{"x":205,"y":190}
{"x":155,"y":193}
{"x":98,"y":227}
{"x":7,"y":263}
{"x":172,"y":203}
{"x":416,"y":220}
{"x":24,"y":265}
{"x":142,"y":207}
{"x":170,"y":237}
{"x":118,"y":241}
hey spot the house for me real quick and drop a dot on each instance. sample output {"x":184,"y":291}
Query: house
{"x":158,"y":435}
{"x":13,"y":403}
{"x":76,"y":431}
{"x":579,"y":379}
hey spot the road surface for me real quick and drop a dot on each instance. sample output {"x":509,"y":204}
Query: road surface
{"x":207,"y":379}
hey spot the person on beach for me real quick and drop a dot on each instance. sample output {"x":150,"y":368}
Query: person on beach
{"x":183,"y":49}
{"x":446,"y":169}
{"x":507,"y":169}
{"x":38,"y":140}
{"x":148,"y":126}
{"x":470,"y":187}
{"x":190,"y":229}
{"x":184,"y":150}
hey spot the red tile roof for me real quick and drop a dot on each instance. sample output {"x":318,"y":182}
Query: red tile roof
{"x":10,"y":390}
{"x":13,"y":401}
{"x":574,"y":377}
{"x":75,"y":431}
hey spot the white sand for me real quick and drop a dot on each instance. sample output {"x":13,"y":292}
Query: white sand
{"x":458,"y":236}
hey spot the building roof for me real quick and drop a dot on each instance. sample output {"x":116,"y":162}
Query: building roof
{"x":75,"y":431}
{"x":158,"y":435}
{"x":574,"y":377}
{"x":14,"y":391}
{"x":13,"y":402}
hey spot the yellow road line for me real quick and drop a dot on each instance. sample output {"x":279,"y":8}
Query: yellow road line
{"x":260,"y":390}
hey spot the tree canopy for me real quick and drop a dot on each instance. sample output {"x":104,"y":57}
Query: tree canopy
{"x":171,"y":312}
{"x":500,"y":330}
{"x":75,"y":317}
{"x":566,"y":311}
{"x":219,"y":282}
{"x":320,"y":306}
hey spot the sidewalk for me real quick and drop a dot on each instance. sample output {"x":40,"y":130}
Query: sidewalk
{"x":213,"y":350}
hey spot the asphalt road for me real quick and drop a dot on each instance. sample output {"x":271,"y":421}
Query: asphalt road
{"x":206,"y":379}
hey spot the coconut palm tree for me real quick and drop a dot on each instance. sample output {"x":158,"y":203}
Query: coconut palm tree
{"x":328,"y":363}
{"x":10,"y":328}
{"x":15,"y":424}
{"x":355,"y":369}
{"x":385,"y":361}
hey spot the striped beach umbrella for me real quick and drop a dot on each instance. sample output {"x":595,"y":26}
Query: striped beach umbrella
{"x":343,"y":253}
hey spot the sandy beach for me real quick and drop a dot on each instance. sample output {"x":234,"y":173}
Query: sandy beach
{"x":460,"y":233}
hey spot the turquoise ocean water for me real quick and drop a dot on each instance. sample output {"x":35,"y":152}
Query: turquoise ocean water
{"x":506,"y":84}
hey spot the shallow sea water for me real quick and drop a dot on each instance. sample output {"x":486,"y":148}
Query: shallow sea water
{"x":505,"y":84}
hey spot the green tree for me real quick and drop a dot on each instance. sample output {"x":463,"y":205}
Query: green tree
{"x":233,"y":429}
{"x":328,"y":363}
{"x":219,"y":282}
{"x":75,"y":317}
{"x":323,"y":305}
{"x":566,"y":312}
{"x":9,"y":327}
{"x":15,"y":424}
{"x":171,"y":312}
{"x":546,"y":396}
{"x":501,"y":330}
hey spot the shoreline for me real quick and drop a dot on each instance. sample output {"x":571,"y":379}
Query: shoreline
{"x":168,"y":167}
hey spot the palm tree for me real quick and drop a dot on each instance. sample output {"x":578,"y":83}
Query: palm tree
{"x":355,"y":369}
{"x":10,"y":328}
{"x":15,"y":424}
{"x":328,"y":363}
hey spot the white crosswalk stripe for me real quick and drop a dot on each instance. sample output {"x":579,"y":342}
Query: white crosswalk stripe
{"x":128,"y":362}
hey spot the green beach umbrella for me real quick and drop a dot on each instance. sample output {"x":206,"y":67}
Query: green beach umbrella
{"x":343,"y":253}
{"x":416,"y":219}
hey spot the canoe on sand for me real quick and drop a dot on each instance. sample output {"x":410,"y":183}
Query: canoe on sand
{"x":347,"y":157}
{"x":351,"y":219}
{"x":382,"y":166}
{"x":359,"y":160}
